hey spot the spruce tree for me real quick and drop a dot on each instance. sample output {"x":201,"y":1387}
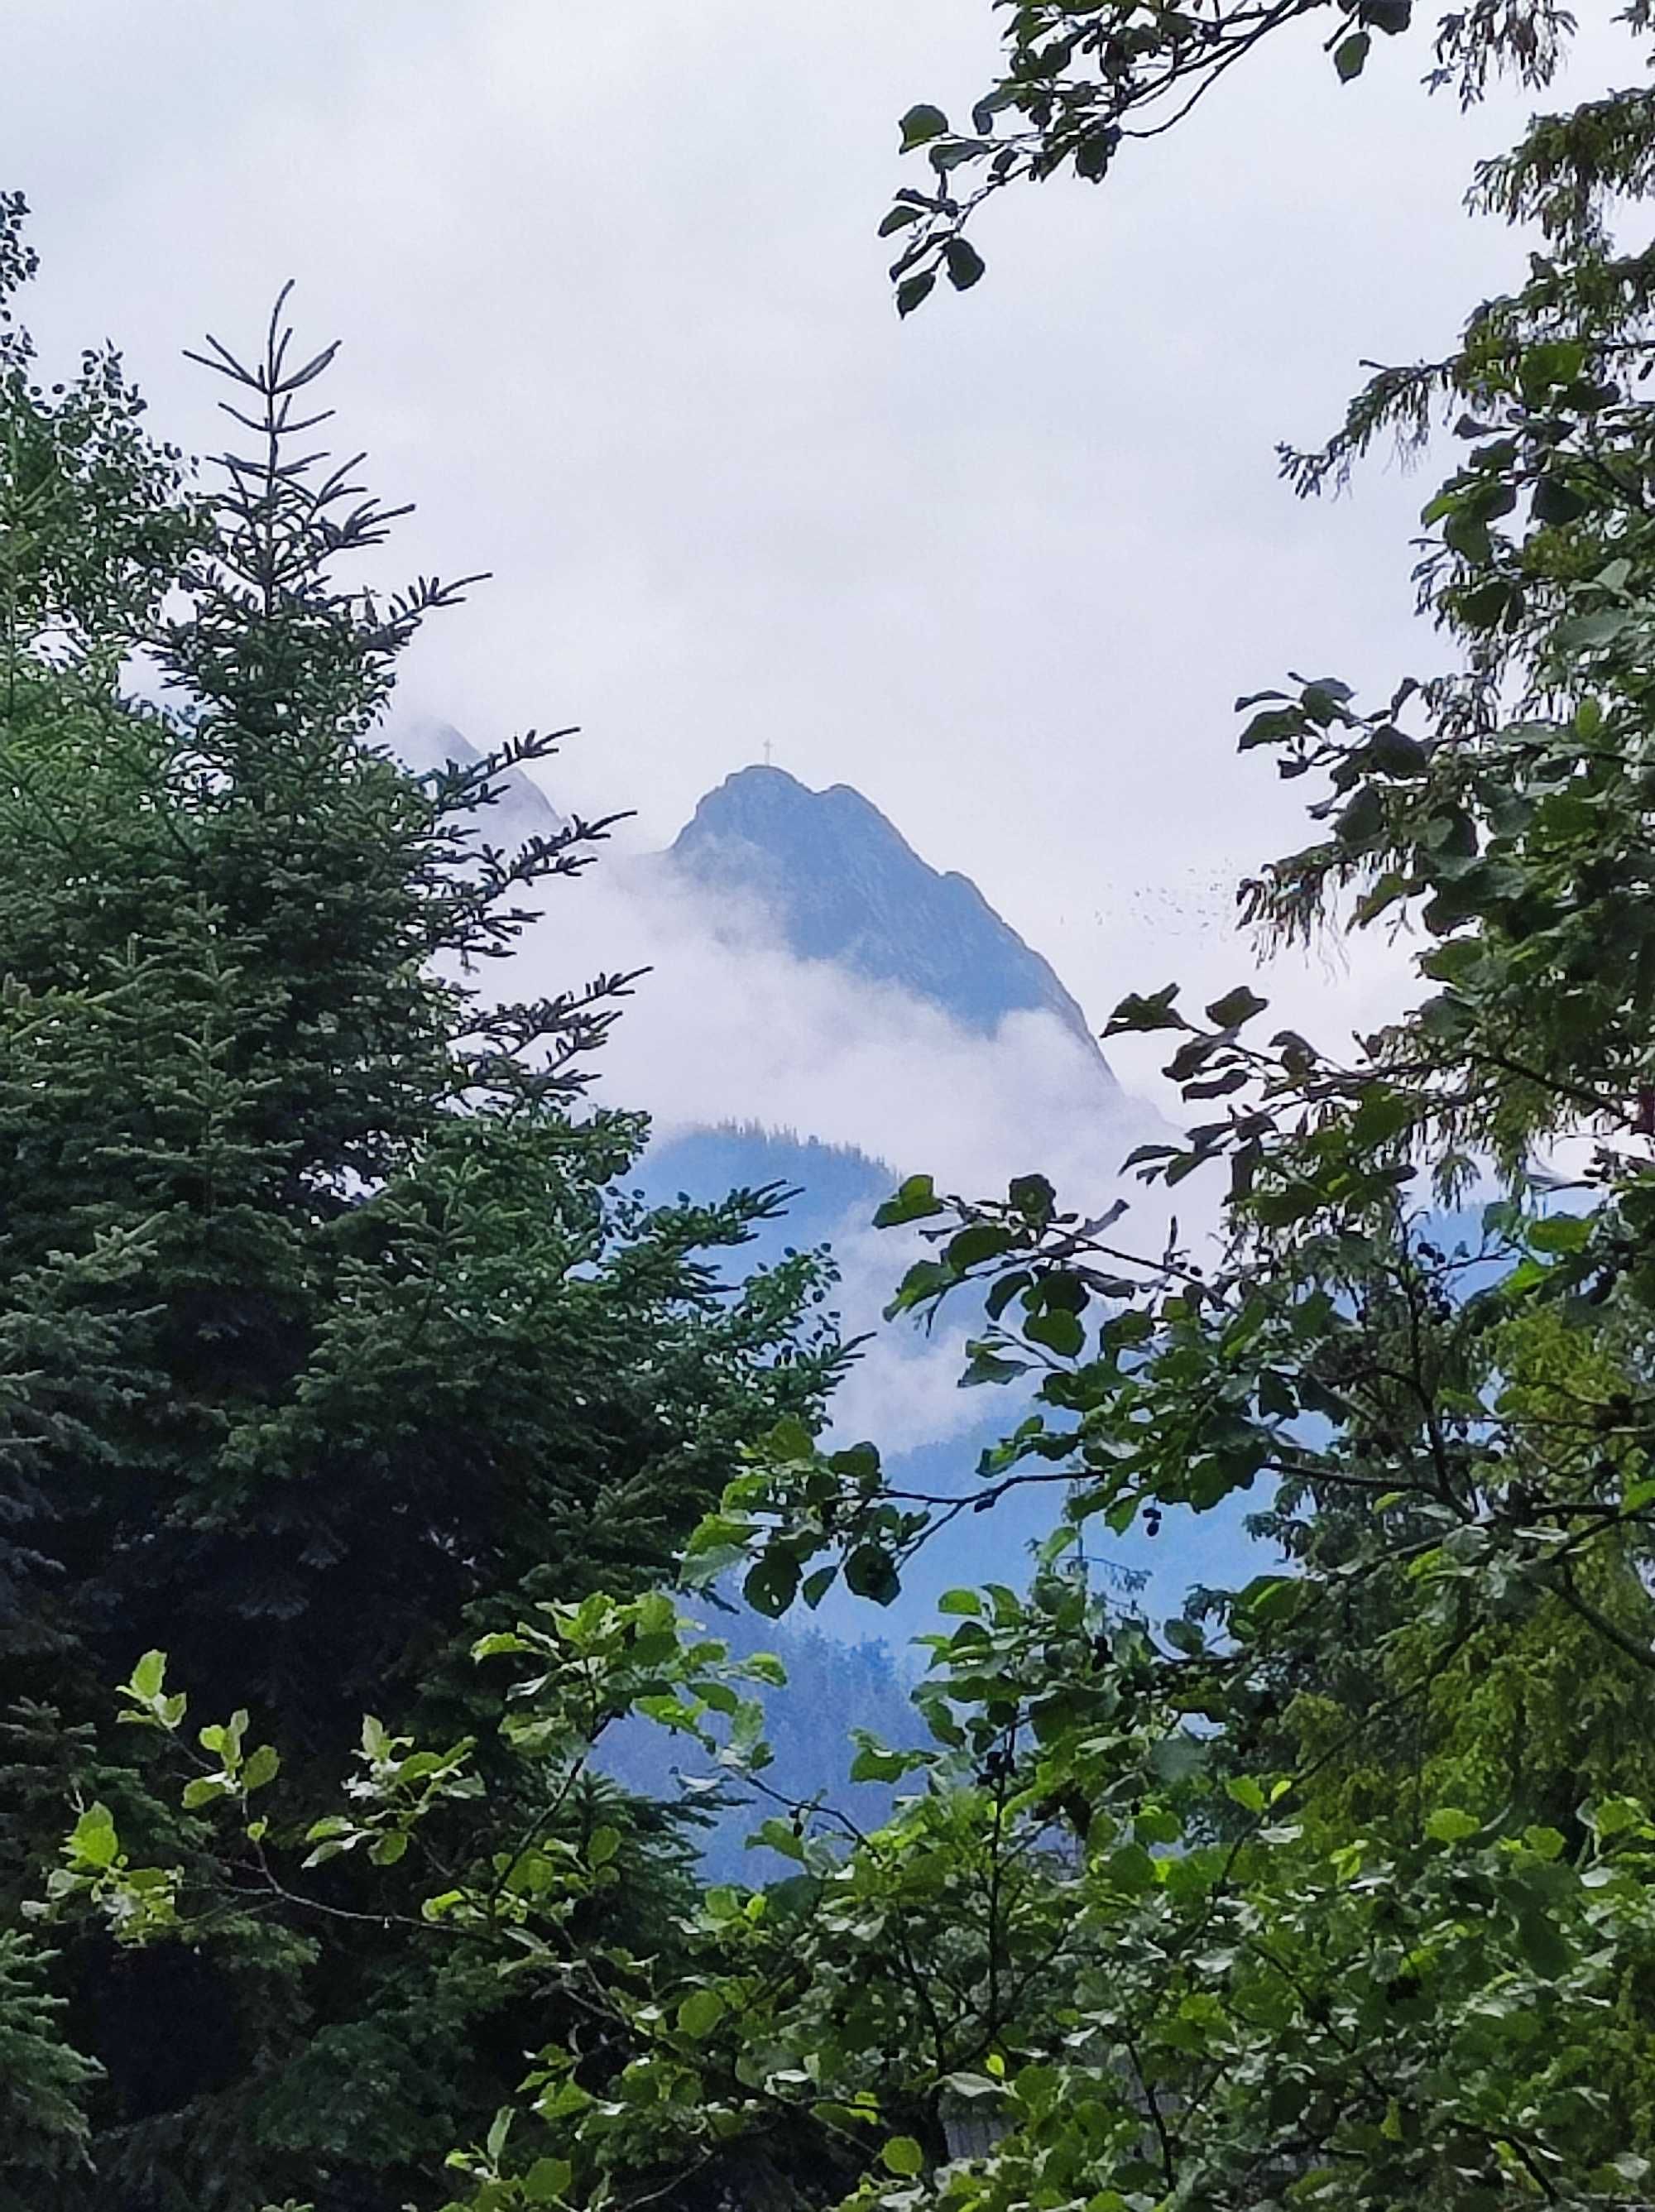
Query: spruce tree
{"x":332,"y":1336}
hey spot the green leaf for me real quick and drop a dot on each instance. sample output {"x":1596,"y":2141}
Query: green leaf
{"x":1322,"y":699}
{"x":1615,"y":1816}
{"x":926,"y":1279}
{"x":987,"y":1366}
{"x":1276,"y":725}
{"x":1033,"y":1197}
{"x":1270,"y":1599}
{"x":780,"y":1836}
{"x":1560,"y":1232}
{"x":921,"y":124}
{"x":874,"y":1763}
{"x":1276,"y":1399}
{"x":771,"y":1584}
{"x":1359,"y":821}
{"x":700,"y":2013}
{"x":983,"y":1240}
{"x":262,"y":1767}
{"x":964,"y":264}
{"x":1236,"y":1007}
{"x":1449,"y":1825}
{"x":869,"y":1572}
{"x":913,"y":289}
{"x":1393,"y":752}
{"x":1544,"y":1946}
{"x":1556,"y":502}
{"x":547,"y":2180}
{"x":495,"y":1646}
{"x":603,"y":1846}
{"x":973,"y":2088}
{"x":1137,"y":1013}
{"x":914,"y":1200}
{"x":1059,"y":1331}
{"x":149,"y":1676}
{"x":1350,"y":55}
{"x":1006,"y":1288}
{"x":902,"y":2156}
{"x":790,"y":1440}
{"x":92,"y":1837}
{"x":1382,"y":1115}
{"x":968,"y":1602}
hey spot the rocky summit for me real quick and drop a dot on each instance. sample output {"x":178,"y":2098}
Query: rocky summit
{"x":843,"y":883}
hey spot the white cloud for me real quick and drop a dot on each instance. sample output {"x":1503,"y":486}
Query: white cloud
{"x":615,"y":315}
{"x":728,"y":1024}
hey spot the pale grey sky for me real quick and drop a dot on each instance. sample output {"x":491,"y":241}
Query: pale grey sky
{"x":615,"y":316}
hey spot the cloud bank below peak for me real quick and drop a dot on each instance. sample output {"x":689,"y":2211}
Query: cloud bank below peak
{"x":807,"y":970}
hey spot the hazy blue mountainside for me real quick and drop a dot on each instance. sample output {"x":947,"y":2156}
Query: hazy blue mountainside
{"x":843,"y":885}
{"x":839,"y":884}
{"x":837,"y":1190}
{"x":833,"y":1686}
{"x":522,"y":810}
{"x":833,"y":1182}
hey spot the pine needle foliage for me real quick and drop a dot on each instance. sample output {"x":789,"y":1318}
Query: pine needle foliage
{"x":328,"y":1330}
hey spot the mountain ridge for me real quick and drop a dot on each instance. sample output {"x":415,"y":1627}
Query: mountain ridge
{"x":841,"y":883}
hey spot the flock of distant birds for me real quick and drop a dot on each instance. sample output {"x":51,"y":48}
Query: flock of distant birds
{"x":1191,"y":905}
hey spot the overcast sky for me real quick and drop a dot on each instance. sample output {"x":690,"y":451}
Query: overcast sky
{"x":616,"y":318}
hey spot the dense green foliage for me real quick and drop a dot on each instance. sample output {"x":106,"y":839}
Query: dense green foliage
{"x":329,"y":1341}
{"x":1337,"y":1891}
{"x":1082,"y":79}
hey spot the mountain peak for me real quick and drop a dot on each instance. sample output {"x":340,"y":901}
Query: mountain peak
{"x":843,"y":885}
{"x":425,"y":744}
{"x":763,"y":793}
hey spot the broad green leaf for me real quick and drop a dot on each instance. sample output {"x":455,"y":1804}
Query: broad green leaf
{"x":963,"y":262}
{"x":700,"y":2013}
{"x":1236,"y":1007}
{"x":921,"y":124}
{"x":92,"y":1837}
{"x":915,"y":1200}
{"x":262,"y":1767}
{"x":983,"y":1240}
{"x":1032,"y":1196}
{"x":1447,"y":1824}
{"x":870,"y":1572}
{"x":1350,"y":55}
{"x":913,"y":289}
